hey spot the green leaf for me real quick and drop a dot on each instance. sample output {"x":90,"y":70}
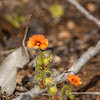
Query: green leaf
{"x":38,"y":77}
{"x":67,"y":92}
{"x":37,"y":67}
{"x":56,"y":10}
{"x":71,"y":97}
{"x":40,"y":62}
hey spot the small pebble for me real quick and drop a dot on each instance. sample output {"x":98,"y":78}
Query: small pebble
{"x":60,"y":43}
{"x":57,"y":59}
{"x":90,"y":7}
{"x":70,"y":25}
{"x":64,"y":35}
{"x":61,"y":69}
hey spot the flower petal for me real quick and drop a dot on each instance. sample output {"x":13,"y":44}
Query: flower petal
{"x":38,"y":38}
{"x":80,"y":82}
{"x":41,"y":37}
{"x":74,"y":79}
{"x":43,"y":46}
{"x":30,"y":44}
{"x":45,"y":41}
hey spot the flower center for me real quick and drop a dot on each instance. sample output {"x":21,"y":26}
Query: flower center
{"x":73,"y":80}
{"x":37,"y":43}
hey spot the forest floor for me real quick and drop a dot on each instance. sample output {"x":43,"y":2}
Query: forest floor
{"x":69,"y":37}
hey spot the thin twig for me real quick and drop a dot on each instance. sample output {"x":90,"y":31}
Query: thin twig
{"x":24,"y":50}
{"x":86,"y":93}
{"x":84,"y":11}
{"x":78,"y":93}
{"x":89,"y":54}
{"x":26,"y":30}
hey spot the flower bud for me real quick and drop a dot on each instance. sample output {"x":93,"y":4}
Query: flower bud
{"x":38,"y":77}
{"x":46,"y":66}
{"x":46,"y":60}
{"x":48,"y":81}
{"x":37,"y":67}
{"x":53,"y":90}
{"x":40,"y":68}
{"x":40,"y":62}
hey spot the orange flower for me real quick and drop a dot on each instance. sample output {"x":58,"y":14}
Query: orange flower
{"x":37,"y":41}
{"x":74,"y":79}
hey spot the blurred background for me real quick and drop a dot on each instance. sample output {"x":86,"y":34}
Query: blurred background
{"x":69,"y":32}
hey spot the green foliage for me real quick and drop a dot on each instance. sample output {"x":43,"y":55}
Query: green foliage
{"x":53,"y":90}
{"x":67,"y":92}
{"x":46,"y":60}
{"x":37,"y":67}
{"x":43,"y":64}
{"x":40,"y":62}
{"x":16,"y":21}
{"x":56,"y":10}
{"x":38,"y":77}
{"x":42,"y":67}
{"x":71,"y":97}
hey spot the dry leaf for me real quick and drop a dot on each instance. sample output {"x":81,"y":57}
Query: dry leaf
{"x":8,"y":69}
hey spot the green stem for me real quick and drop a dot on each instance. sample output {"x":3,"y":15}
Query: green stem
{"x":41,"y":54}
{"x":43,"y":71}
{"x":44,"y":76}
{"x":66,"y":86}
{"x":51,"y":98}
{"x":48,"y":88}
{"x":47,"y":53}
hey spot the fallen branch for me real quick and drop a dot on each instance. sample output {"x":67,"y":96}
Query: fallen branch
{"x":84,"y":11}
{"x":89,"y":54}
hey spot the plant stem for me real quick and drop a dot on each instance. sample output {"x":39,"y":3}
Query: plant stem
{"x":66,"y":86}
{"x":51,"y":98}
{"x":43,"y":71}
{"x":48,"y":88}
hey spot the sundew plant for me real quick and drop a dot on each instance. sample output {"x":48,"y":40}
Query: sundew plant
{"x":42,"y":68}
